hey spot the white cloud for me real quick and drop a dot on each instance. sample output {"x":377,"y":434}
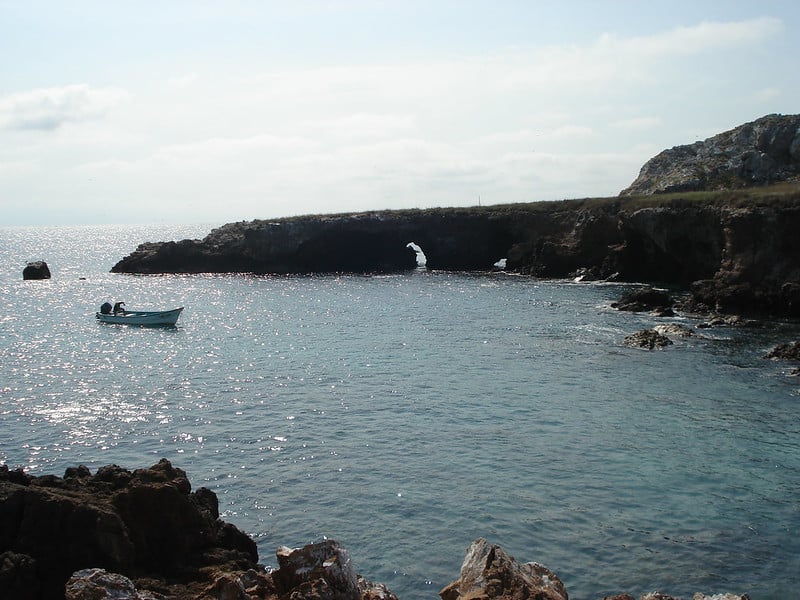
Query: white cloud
{"x":697,"y":38}
{"x":50,"y":108}
{"x":510,"y":125}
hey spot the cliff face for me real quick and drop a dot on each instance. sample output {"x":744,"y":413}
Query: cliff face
{"x":762,"y":152}
{"x":739,"y":251}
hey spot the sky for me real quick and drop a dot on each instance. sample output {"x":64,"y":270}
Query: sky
{"x":214,"y":112}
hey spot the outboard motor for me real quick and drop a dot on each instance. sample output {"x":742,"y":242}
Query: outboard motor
{"x":105,"y":308}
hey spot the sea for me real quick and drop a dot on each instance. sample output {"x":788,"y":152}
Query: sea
{"x":407,"y":415}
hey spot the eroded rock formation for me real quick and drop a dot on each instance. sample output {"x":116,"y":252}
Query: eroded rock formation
{"x":145,"y":535}
{"x":737,"y":249}
{"x":762,"y":152}
{"x":146,"y":523}
{"x":738,"y":252}
{"x":489,"y":572}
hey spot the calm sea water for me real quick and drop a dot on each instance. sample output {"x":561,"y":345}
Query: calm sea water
{"x":407,"y":415}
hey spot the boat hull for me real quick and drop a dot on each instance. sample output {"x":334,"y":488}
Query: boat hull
{"x":143,"y":318}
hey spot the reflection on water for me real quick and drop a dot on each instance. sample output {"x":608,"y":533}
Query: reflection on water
{"x":428,"y":410}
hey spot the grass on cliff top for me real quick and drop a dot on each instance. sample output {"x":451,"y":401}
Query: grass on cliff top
{"x":785,"y":194}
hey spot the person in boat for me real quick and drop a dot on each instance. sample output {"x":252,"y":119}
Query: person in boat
{"x":118,"y":308}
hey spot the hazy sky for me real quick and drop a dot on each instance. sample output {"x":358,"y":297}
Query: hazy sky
{"x":212,"y":112}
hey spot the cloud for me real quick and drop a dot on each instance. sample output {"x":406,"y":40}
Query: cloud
{"x":510,"y":125}
{"x":47,"y":109}
{"x":697,"y":38}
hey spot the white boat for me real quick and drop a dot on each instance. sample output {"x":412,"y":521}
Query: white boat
{"x":147,"y":318}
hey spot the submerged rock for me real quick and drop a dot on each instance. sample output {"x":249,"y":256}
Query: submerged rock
{"x":647,"y":338}
{"x":674,"y":329}
{"x":787,"y":351}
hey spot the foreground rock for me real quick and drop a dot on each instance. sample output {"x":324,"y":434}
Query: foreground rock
{"x":146,"y":523}
{"x":320,"y":571}
{"x":489,"y":572}
{"x":36,"y":270}
{"x":323,"y":570}
{"x":145,"y":535}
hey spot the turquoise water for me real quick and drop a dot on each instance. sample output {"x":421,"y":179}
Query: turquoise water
{"x":407,"y":415}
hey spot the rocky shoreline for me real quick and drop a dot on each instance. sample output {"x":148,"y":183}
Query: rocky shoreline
{"x":735,"y":252}
{"x":145,"y":535}
{"x":718,"y":217}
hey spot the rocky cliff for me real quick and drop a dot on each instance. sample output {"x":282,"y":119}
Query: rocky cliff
{"x":737,"y":249}
{"x":762,"y":152}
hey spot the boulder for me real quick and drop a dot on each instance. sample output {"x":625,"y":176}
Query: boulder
{"x":674,"y":330}
{"x":98,"y":584}
{"x":36,"y":270}
{"x":648,"y":339}
{"x":644,"y":299}
{"x":142,"y":524}
{"x":787,"y":351}
{"x":488,"y":572}
{"x":323,"y":571}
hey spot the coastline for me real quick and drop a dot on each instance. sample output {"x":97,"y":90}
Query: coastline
{"x":145,"y":533}
{"x":733,"y":251}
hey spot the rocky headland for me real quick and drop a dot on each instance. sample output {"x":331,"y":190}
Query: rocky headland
{"x":145,"y":535}
{"x":762,"y":152}
{"x":698,"y":217}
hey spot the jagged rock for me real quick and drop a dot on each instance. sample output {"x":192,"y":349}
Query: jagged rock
{"x":488,"y":572}
{"x":145,"y":523}
{"x":98,"y":584}
{"x":674,"y":330}
{"x":323,"y":571}
{"x":36,"y":270}
{"x":740,"y":247}
{"x":647,"y":338}
{"x":758,"y":153}
{"x":644,"y":299}
{"x":787,"y":351}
